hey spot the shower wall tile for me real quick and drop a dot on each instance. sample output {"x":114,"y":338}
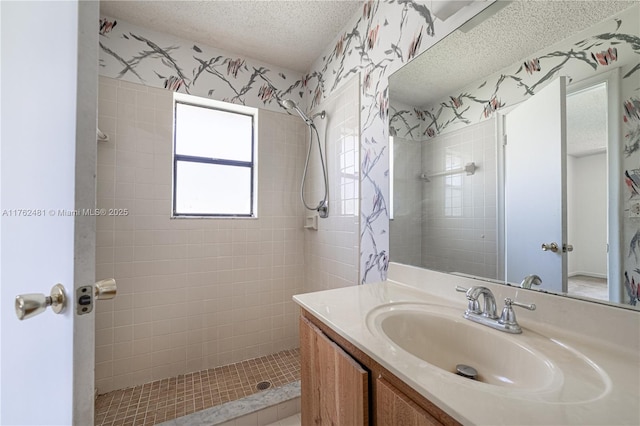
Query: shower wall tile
{"x":331,"y":254}
{"x":405,"y":230}
{"x":459,"y":221}
{"x":192,"y":293}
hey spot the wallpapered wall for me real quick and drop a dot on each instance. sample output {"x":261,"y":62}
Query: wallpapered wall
{"x":613,"y":43}
{"x":142,"y":56}
{"x":380,"y":38}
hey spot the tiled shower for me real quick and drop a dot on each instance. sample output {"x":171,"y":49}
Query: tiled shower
{"x":196,"y":294}
{"x":193,"y":293}
{"x":459,"y":213}
{"x":451,"y":219}
{"x":332,"y":251}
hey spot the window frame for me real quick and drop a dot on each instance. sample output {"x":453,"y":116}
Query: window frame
{"x":252,"y":165}
{"x":451,"y":190}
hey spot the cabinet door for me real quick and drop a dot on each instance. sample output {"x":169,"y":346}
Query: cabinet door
{"x":334,"y":387}
{"x":395,"y":408}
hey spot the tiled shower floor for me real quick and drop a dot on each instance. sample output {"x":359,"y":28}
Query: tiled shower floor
{"x":171,"y":398}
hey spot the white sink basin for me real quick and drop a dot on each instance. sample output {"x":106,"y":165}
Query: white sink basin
{"x":527,"y":363}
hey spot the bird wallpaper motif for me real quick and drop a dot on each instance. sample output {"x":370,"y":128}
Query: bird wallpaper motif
{"x":612,"y":44}
{"x":381,"y":38}
{"x":146,"y":57}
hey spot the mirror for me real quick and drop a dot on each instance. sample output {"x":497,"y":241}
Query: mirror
{"x":461,"y":201}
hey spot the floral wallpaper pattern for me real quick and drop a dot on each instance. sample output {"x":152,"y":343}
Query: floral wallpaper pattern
{"x":147,"y":57}
{"x":406,"y":121}
{"x":613,"y":43}
{"x":379,"y":39}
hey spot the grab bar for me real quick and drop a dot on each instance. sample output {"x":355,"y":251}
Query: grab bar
{"x":469,"y":168}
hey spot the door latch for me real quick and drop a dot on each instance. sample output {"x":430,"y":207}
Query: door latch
{"x":102,"y":290}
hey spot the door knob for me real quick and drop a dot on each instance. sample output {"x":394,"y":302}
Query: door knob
{"x":550,"y":247}
{"x":105,"y":289}
{"x":32,"y":304}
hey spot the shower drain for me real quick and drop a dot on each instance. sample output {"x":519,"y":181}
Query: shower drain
{"x":263,"y":385}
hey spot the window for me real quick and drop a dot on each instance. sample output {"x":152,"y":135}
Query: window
{"x":453,"y":186}
{"x":214,"y":169}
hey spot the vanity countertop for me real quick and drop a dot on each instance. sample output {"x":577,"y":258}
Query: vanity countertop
{"x":348,"y":311}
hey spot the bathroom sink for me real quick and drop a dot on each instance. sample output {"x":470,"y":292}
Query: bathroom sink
{"x":527,"y":365}
{"x":444,"y":339}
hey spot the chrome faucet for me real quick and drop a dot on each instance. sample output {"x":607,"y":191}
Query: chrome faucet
{"x":529,"y":280}
{"x":488,"y":315}
{"x":489,"y":309}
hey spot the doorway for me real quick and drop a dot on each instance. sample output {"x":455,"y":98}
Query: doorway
{"x":592,"y":197}
{"x":587,"y":191}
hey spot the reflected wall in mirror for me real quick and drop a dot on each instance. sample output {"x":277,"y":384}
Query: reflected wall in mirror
{"x":453,"y":105}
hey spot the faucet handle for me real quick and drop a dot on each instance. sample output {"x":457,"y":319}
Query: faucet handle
{"x":461,"y":289}
{"x":508,"y":317}
{"x":508,"y":302}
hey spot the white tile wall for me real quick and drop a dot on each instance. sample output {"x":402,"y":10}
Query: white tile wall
{"x":467,"y":242}
{"x":194,"y":293}
{"x":405,"y":230}
{"x":332,"y":252}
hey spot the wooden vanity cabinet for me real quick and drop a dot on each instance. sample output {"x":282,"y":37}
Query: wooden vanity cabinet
{"x":341,"y":385}
{"x":334,"y":386}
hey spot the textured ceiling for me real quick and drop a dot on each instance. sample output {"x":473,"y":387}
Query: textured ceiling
{"x":288,"y":34}
{"x":513,"y":33}
{"x":587,"y":121}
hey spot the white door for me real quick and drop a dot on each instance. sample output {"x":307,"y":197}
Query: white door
{"x":49,"y":84}
{"x":535,"y":182}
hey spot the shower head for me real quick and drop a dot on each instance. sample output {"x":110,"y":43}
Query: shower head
{"x":289,"y":104}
